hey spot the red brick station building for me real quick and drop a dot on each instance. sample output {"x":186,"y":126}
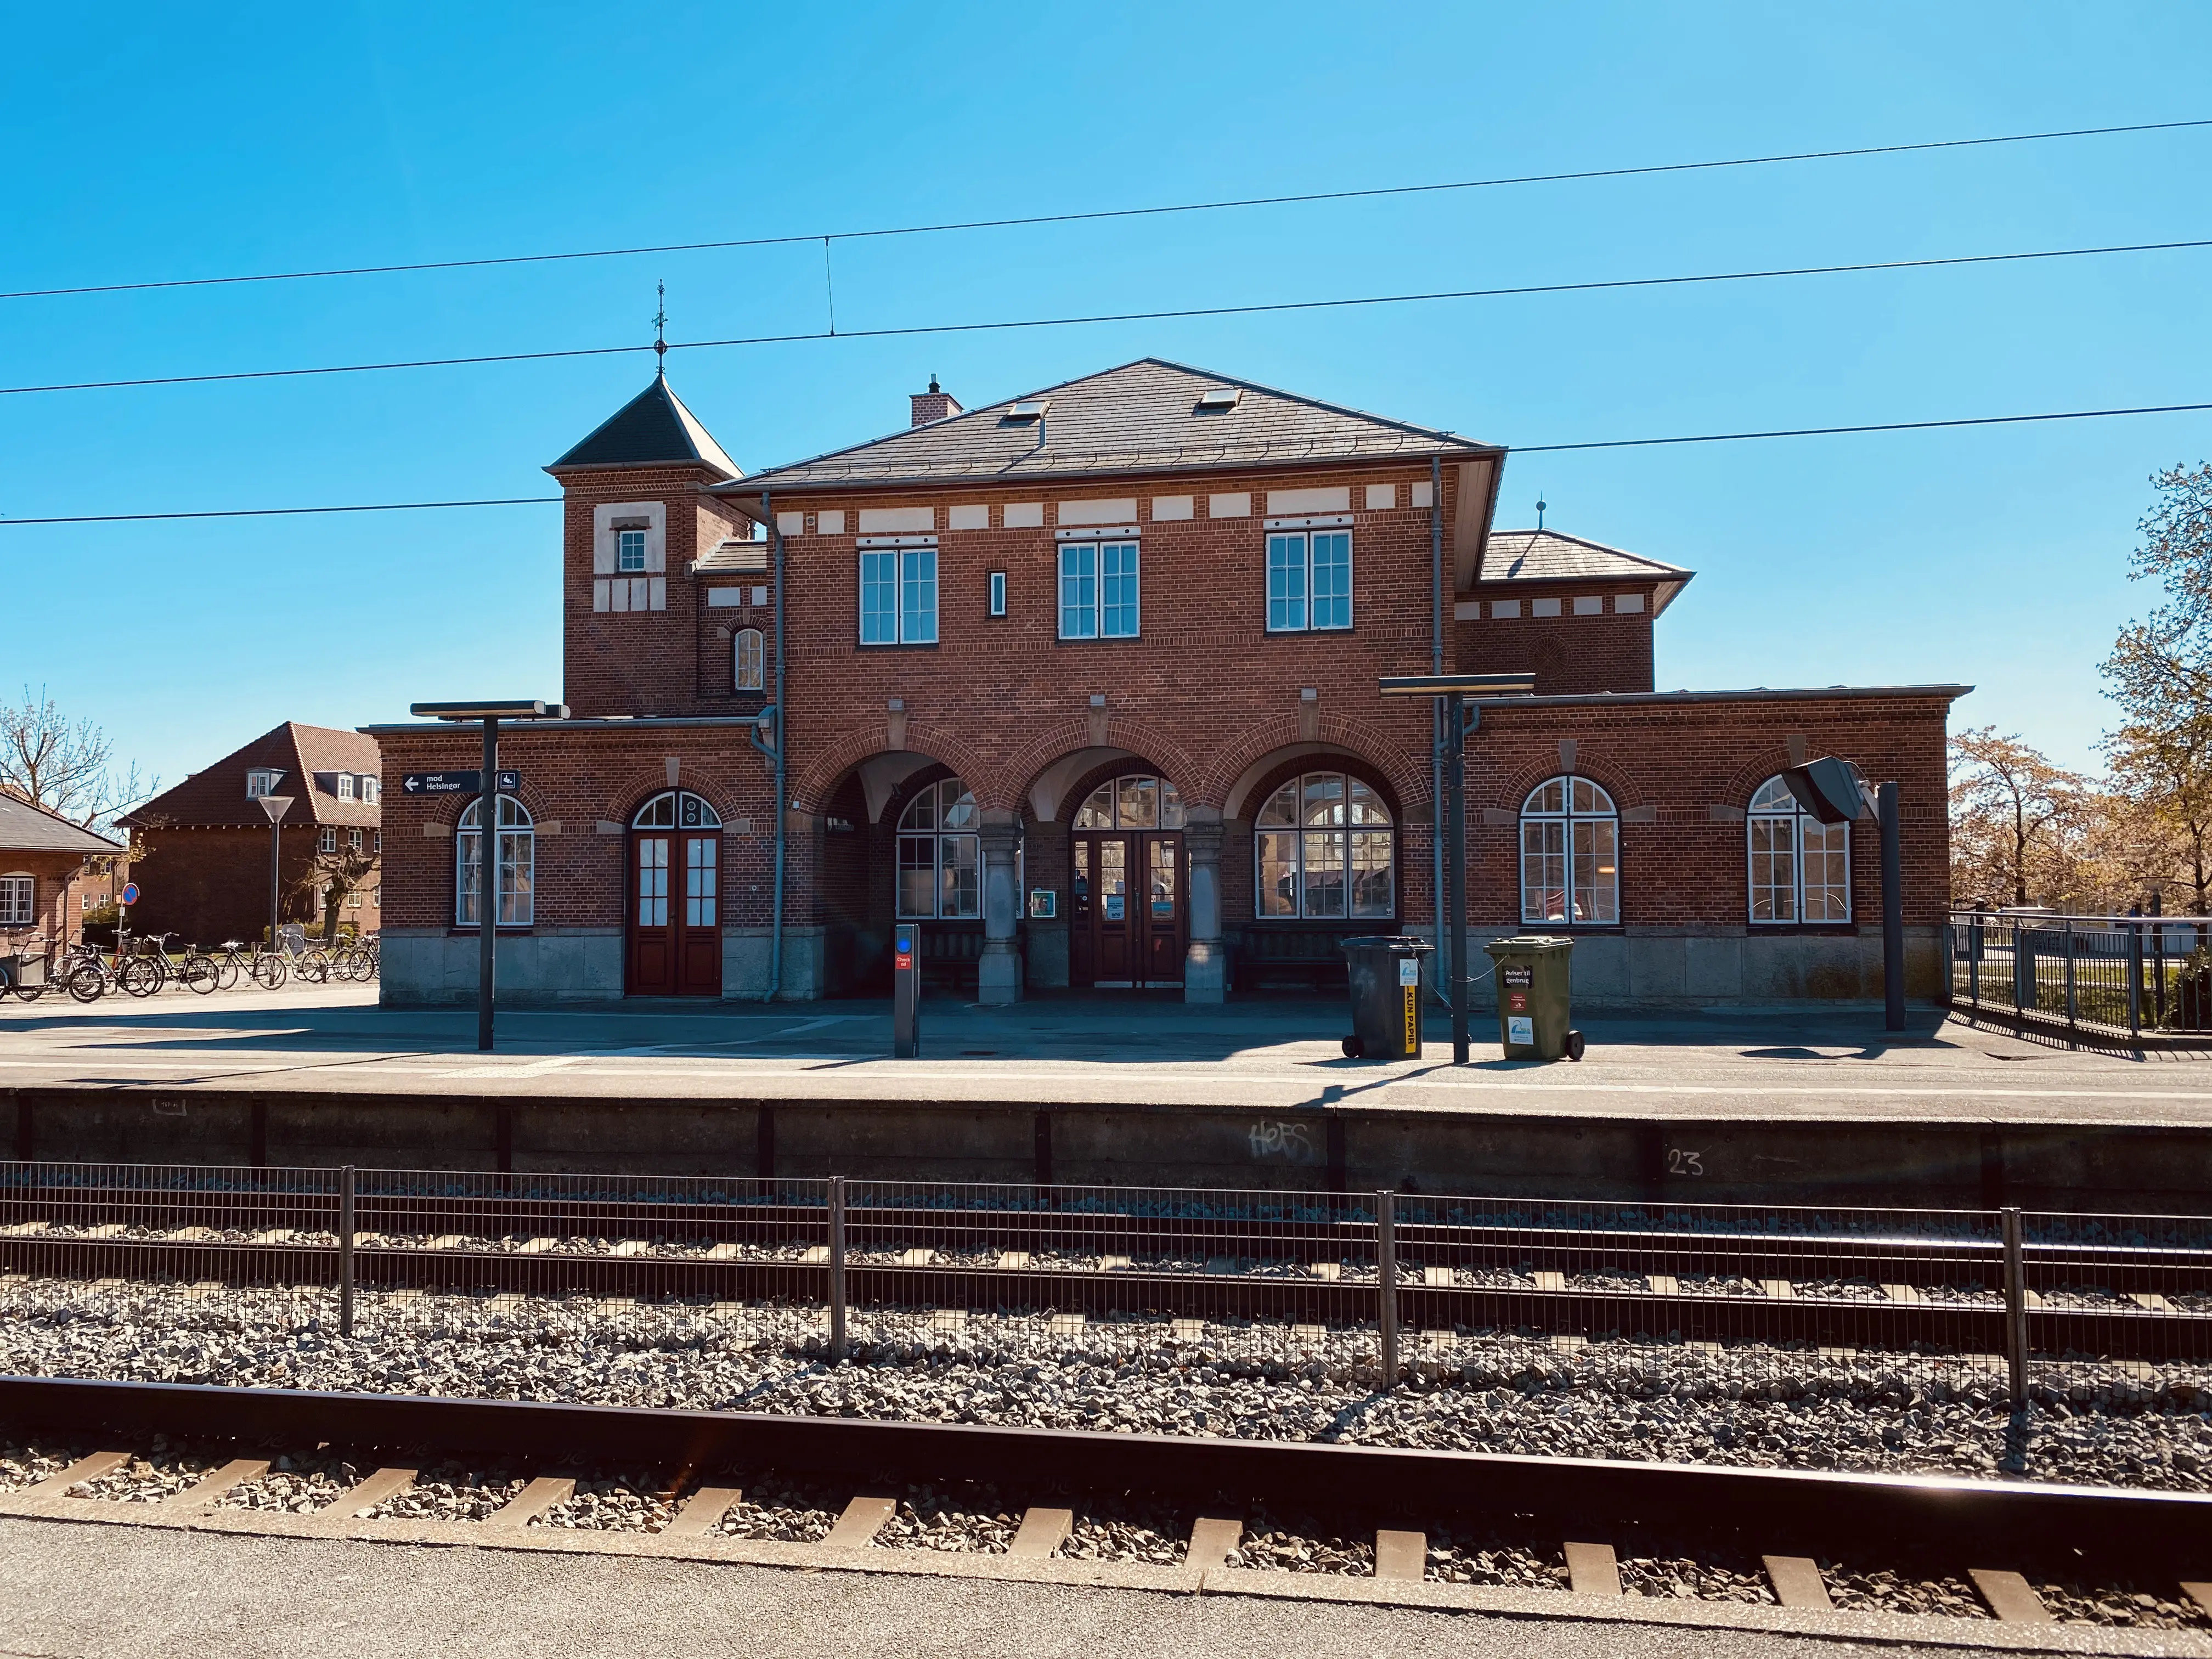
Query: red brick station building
{"x":1084,"y":683}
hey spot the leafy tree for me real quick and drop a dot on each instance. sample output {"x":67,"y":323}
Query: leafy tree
{"x":2018,"y":822}
{"x":2160,"y":674}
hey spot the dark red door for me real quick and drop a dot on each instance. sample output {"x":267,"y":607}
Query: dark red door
{"x":675,"y":915}
{"x":1126,"y":917}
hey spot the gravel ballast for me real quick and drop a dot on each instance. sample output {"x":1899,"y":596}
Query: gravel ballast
{"x":1643,"y":1401}
{"x":294,"y":1486}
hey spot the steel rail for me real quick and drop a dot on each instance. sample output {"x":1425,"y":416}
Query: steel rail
{"x":1049,"y":1225}
{"x":2071,"y":1530}
{"x":2116,"y":1333}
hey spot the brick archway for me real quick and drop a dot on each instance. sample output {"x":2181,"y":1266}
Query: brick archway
{"x":811,"y":790}
{"x":1072,"y":736}
{"x":1364,"y":741}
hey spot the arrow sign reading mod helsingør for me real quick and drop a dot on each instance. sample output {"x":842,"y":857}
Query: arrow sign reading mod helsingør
{"x":457,"y":783}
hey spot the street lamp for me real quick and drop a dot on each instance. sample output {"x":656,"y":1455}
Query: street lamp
{"x":1833,"y":792}
{"x":1455,"y":689}
{"x":276,"y":806}
{"x":490,"y":713}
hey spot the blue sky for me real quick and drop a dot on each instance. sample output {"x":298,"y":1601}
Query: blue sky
{"x":152,"y":143}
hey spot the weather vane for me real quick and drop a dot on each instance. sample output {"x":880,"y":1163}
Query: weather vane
{"x":660,"y":329}
{"x":1539,"y":513}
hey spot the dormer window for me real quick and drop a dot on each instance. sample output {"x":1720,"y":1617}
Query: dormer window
{"x":345,"y":786}
{"x":371,"y":790}
{"x":261,"y":781}
{"x":630,"y":550}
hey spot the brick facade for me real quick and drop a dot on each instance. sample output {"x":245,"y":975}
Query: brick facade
{"x":1204,"y":695}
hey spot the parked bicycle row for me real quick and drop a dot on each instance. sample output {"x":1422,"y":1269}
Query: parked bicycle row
{"x":140,"y":966}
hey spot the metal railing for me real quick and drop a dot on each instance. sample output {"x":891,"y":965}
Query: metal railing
{"x":1373,"y":1287}
{"x":2107,"y":976}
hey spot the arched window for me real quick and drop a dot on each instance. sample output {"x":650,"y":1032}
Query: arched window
{"x":940,"y":867}
{"x":1323,"y":847}
{"x":751,"y":660}
{"x":1800,"y":868}
{"x":1134,"y":802}
{"x":676,"y":809}
{"x":518,"y":859}
{"x":1570,"y":853}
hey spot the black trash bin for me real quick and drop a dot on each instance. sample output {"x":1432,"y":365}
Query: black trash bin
{"x":1385,"y":975}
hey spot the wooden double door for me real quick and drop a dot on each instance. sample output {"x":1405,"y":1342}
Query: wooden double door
{"x":1129,"y":916}
{"x":675,"y":913}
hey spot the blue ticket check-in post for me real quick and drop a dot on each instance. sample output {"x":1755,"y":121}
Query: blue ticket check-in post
{"x":906,"y":993}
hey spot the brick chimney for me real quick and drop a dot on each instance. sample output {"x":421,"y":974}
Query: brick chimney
{"x":932,"y":405}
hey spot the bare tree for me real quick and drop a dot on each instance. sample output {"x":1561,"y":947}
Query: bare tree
{"x":330,"y":876}
{"x":2018,"y":821}
{"x":64,"y":766}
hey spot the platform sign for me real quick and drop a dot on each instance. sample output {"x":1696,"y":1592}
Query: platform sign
{"x":457,"y":783}
{"x":906,"y":991}
{"x":129,"y":894}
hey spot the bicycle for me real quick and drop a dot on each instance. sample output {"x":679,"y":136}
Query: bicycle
{"x":195,"y":970}
{"x":264,"y":968}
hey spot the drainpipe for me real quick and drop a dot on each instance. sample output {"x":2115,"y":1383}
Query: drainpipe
{"x":1436,"y":722}
{"x":775,"y":924}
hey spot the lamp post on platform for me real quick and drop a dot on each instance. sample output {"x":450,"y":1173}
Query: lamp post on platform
{"x":1454,"y":691}
{"x":1834,"y":792}
{"x":276,"y":806}
{"x":489,"y":714}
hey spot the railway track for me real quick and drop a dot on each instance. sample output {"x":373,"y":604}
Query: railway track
{"x":1894,"y":1282}
{"x":2017,"y":1555}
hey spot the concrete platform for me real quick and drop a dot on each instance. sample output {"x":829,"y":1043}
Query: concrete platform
{"x":1785,"y":1106}
{"x":1136,"y":1050}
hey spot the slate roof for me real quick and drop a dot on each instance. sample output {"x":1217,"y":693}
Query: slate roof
{"x":1535,"y":555}
{"x":28,"y":828}
{"x":215,"y":796}
{"x":1140,"y":418}
{"x":653,"y":428}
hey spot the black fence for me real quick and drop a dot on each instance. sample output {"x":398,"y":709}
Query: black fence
{"x":2103,"y":977}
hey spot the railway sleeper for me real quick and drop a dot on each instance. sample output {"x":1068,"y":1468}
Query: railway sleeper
{"x":692,"y":1505}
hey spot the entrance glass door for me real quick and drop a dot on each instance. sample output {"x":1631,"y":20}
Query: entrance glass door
{"x":1126,"y":919}
{"x":674,"y":898}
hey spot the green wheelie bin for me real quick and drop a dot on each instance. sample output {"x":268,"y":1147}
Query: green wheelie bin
{"x":1533,"y":1004}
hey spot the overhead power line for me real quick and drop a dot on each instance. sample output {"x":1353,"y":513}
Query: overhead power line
{"x":1019,"y":222}
{"x":1171,"y":314}
{"x":1525,"y":449}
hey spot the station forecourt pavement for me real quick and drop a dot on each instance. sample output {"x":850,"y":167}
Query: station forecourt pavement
{"x":1131,"y":1049}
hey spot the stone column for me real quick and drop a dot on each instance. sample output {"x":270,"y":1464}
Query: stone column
{"x":1205,"y":961}
{"x":999,"y":975}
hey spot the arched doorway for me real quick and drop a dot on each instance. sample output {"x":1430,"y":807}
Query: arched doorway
{"x":1128,"y":920}
{"x":675,"y":898}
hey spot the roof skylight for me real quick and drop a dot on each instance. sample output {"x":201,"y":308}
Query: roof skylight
{"x":1029,"y":409}
{"x":1219,"y":399}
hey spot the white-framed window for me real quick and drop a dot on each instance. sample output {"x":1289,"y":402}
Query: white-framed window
{"x":1569,"y":855}
{"x":997,"y":592}
{"x":18,"y":900}
{"x":517,"y":864}
{"x":1098,"y":590}
{"x":353,"y":900}
{"x":376,"y":840}
{"x":1324,"y":846}
{"x":353,"y":840}
{"x":749,"y":654}
{"x":630,"y":550}
{"x":371,"y":790}
{"x":376,"y":896}
{"x":261,"y":781}
{"x":940,"y":870}
{"x":327,"y":842}
{"x":345,"y":786}
{"x":899,"y":596}
{"x":1309,"y":579}
{"x":1133,"y":801}
{"x":1799,"y":868}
